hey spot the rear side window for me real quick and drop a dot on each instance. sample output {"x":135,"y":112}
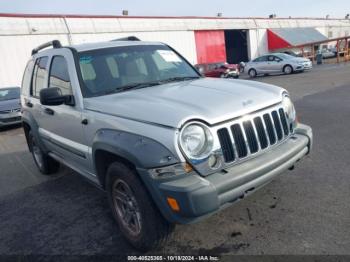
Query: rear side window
{"x":39,"y":76}
{"x":27,"y":77}
{"x":59,"y":76}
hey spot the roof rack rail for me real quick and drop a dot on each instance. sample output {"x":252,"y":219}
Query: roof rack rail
{"x":128,"y":38}
{"x":53,"y":43}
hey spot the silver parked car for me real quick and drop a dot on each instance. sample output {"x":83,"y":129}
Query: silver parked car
{"x":277,"y":63}
{"x":10,"y":106}
{"x":167,"y":145}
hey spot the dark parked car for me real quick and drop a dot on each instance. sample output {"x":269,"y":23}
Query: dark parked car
{"x":10,"y":106}
{"x":223,"y":70}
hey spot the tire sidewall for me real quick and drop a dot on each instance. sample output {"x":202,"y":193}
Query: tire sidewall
{"x":151,"y":219}
{"x":285,"y":70}
{"x":32,"y":141}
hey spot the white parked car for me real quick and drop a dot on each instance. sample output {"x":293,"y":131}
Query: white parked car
{"x":277,"y":63}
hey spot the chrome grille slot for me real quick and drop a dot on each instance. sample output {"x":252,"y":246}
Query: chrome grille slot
{"x":251,"y":138}
{"x":277,"y":123}
{"x":239,"y":140}
{"x":284,"y":121}
{"x":270,"y":129}
{"x":226,"y":145}
{"x":261,"y":132}
{"x":10,"y":111}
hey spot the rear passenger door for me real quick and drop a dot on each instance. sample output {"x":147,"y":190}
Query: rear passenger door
{"x":260,"y":64}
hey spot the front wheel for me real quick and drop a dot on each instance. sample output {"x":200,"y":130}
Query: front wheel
{"x":138,"y":218}
{"x":287,"y":70}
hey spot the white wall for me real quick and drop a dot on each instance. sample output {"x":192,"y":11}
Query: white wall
{"x":183,"y":41}
{"x":257,"y":43}
{"x":15,"y":52}
{"x":19,"y":35}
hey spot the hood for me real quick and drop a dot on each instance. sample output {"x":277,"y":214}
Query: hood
{"x":173,"y":104}
{"x":10,"y":104}
{"x":301,"y":59}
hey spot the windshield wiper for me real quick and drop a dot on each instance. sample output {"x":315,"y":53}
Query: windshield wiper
{"x":179,"y":78}
{"x":136,"y":86}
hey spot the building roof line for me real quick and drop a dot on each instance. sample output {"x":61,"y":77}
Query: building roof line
{"x":26,"y":15}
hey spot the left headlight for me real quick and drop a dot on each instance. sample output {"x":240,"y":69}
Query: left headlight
{"x":289,"y":108}
{"x":196,"y":141}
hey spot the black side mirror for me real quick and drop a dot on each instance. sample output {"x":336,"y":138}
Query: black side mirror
{"x":53,"y":97}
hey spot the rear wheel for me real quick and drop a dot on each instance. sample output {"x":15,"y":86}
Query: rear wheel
{"x":138,"y":218}
{"x":46,"y":164}
{"x":252,"y":73}
{"x":287,"y":70}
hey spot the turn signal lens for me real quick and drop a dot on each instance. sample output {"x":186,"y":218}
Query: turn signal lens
{"x":173,"y":204}
{"x":188,"y":168}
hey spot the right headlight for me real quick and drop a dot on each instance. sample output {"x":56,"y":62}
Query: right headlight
{"x":289,"y":108}
{"x":196,"y":141}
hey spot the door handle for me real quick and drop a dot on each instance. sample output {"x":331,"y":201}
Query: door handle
{"x":29,"y":104}
{"x":49,"y":111}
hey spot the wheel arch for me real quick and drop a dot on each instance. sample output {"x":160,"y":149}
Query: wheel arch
{"x":135,"y":151}
{"x":103,"y":158}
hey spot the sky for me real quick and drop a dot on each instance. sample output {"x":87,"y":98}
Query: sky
{"x":228,"y":8}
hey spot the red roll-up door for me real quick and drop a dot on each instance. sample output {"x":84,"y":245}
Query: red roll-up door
{"x":210,"y":46}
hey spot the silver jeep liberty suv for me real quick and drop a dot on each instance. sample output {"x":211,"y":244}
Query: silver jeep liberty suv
{"x":166,"y":144}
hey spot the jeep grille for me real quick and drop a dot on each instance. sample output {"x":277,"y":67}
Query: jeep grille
{"x":245,"y":138}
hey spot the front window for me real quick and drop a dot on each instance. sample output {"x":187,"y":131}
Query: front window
{"x":59,"y":75}
{"x":117,"y":69}
{"x":9,"y":93}
{"x":261,"y":59}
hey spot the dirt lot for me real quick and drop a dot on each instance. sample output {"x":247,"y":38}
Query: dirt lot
{"x":305,"y":211}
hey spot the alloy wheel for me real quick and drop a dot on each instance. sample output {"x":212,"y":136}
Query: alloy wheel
{"x":126,"y":207}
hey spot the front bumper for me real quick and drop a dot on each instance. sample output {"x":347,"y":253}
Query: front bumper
{"x":199,"y":197}
{"x":299,"y":68}
{"x":10,"y":119}
{"x":308,"y":66}
{"x":233,"y":73}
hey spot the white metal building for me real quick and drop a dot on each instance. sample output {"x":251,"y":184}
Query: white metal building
{"x":191,"y":36}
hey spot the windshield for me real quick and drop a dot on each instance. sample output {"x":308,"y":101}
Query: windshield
{"x":9,"y":93}
{"x":118,"y":69}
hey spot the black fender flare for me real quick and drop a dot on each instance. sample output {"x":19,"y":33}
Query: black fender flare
{"x":29,"y":119}
{"x":142,"y":151}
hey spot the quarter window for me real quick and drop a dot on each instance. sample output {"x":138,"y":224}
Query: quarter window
{"x":39,"y":76}
{"x":59,"y":76}
{"x":27,"y":77}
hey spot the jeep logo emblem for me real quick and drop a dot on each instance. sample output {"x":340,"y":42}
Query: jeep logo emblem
{"x":247,"y":102}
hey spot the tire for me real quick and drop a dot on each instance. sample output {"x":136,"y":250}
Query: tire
{"x":129,"y":200}
{"x":46,"y":164}
{"x":287,"y":69}
{"x":252,"y":73}
{"x":222,"y":76}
